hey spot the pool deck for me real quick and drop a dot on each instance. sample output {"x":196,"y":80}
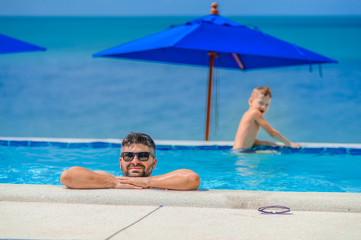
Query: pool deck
{"x":56,"y":212}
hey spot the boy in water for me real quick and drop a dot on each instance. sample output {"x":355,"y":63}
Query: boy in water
{"x":253,"y":119}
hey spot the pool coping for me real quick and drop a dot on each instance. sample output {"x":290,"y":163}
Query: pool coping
{"x":224,"y":199}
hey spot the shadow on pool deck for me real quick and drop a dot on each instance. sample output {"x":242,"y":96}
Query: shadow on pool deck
{"x":55,"y":212}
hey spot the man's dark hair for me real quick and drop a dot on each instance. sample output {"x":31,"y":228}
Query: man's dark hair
{"x":141,"y":138}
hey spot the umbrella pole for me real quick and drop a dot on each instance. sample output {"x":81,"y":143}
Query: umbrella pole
{"x":212,"y":55}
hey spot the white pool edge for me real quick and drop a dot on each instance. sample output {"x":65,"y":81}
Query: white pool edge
{"x":169,"y":142}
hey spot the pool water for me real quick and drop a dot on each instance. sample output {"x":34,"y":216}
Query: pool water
{"x":271,"y":169}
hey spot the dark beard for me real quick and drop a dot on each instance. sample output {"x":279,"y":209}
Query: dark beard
{"x":145,"y":174}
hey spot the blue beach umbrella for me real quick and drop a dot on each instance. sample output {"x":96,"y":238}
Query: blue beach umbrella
{"x":11,"y":45}
{"x":215,"y":41}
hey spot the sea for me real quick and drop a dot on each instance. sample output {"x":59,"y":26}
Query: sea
{"x":66,"y":93}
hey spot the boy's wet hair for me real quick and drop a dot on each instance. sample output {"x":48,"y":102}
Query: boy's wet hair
{"x":141,"y":138}
{"x":264,"y":91}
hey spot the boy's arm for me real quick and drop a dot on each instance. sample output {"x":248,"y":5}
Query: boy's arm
{"x":258,"y":142}
{"x":182,"y":179}
{"x":79,"y":177}
{"x":273,"y":132}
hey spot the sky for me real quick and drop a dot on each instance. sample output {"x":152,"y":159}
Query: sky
{"x":177,"y":7}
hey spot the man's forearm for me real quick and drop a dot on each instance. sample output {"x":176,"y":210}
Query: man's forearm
{"x":182,"y":179}
{"x":78,"y":177}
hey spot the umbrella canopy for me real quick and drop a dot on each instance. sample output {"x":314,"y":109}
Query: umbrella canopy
{"x":215,"y":41}
{"x":11,"y":45}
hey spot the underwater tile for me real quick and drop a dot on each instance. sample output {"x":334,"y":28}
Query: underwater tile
{"x":59,"y":144}
{"x":99,"y":144}
{"x":313,"y":150}
{"x":19,"y":143}
{"x":78,"y":145}
{"x":207,"y":147}
{"x":182,"y":147}
{"x":115,"y":145}
{"x":336,"y":150}
{"x":224,"y":147}
{"x":355,"y":151}
{"x":38,"y":144}
{"x":289,"y":150}
{"x":164,"y":147}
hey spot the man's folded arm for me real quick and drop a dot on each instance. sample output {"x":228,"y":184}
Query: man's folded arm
{"x":79,"y":177}
{"x":182,"y":179}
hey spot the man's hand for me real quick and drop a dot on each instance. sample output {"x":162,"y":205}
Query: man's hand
{"x":116,"y":183}
{"x":120,"y":185}
{"x":140,"y":182}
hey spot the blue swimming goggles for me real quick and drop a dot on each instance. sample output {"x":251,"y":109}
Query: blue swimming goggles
{"x":142,"y":156}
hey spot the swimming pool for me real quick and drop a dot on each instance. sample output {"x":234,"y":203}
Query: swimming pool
{"x":310,"y":169}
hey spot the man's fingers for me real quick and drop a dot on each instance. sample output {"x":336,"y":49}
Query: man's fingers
{"x":124,"y":180}
{"x":127,"y":186}
{"x":141,"y":182}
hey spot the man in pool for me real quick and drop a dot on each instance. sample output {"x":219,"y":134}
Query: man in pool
{"x":137,"y":160}
{"x":253,"y":119}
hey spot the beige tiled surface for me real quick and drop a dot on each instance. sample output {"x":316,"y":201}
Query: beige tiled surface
{"x":213,"y":223}
{"x":24,"y":220}
{"x":55,"y":212}
{"x":28,"y":220}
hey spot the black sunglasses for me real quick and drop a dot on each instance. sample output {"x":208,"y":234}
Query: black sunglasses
{"x":142,"y":156}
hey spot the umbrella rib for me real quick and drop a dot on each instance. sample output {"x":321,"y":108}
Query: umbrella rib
{"x":238,"y":61}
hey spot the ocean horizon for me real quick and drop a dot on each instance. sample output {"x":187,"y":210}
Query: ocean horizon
{"x":65,"y":92}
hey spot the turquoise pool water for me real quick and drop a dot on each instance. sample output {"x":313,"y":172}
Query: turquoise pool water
{"x":271,"y":169}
